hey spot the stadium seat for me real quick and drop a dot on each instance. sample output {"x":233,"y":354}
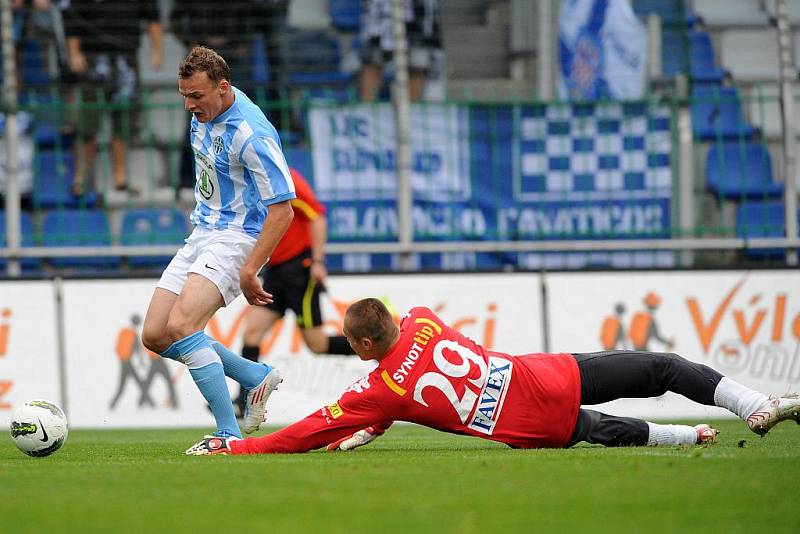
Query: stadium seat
{"x":671,"y":12}
{"x":717,"y":113}
{"x":48,"y":110}
{"x":761,"y":219}
{"x":78,"y":228}
{"x":741,"y":170}
{"x":153,"y":227}
{"x":33,"y":64}
{"x":28,"y":239}
{"x":702,"y":62}
{"x":346,"y":15}
{"x":674,"y":52}
{"x":53,"y":173}
{"x":312,"y":58}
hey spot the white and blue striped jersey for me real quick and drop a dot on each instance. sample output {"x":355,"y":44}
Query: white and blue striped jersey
{"x":240,"y":168}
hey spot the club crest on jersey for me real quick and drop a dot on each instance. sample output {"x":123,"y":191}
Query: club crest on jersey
{"x":218,"y":145}
{"x":490,"y":401}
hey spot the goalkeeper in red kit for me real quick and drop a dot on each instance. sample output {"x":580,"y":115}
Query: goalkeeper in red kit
{"x":430,"y":374}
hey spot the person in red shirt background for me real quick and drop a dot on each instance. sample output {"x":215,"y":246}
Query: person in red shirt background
{"x":295,"y":276}
{"x":430,"y":374}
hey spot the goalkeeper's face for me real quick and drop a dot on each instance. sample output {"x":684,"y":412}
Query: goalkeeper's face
{"x":203,"y":98}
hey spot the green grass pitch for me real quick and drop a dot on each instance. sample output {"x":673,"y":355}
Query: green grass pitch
{"x":411,"y":480}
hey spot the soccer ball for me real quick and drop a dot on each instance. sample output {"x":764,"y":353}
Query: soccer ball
{"x":38,"y":428}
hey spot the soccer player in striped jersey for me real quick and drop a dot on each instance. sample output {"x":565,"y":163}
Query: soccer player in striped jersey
{"x":430,"y":374}
{"x":243,"y":195}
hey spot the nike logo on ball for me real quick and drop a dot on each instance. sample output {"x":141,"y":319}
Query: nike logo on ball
{"x":44,"y":432}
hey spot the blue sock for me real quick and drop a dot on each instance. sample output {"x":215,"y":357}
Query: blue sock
{"x":248,"y":374}
{"x":208,"y":373}
{"x":210,"y":381}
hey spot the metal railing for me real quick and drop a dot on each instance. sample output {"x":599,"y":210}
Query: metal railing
{"x":444,"y":212}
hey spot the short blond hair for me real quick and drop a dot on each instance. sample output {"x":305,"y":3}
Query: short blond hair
{"x":204,"y":59}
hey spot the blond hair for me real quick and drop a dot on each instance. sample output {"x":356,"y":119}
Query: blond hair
{"x":204,"y":59}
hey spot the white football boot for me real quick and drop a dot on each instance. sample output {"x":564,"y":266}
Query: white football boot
{"x":256,"y":404}
{"x":776,"y":410}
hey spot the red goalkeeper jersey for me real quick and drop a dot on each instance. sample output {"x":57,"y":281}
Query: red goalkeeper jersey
{"x":298,"y":236}
{"x":437,"y":377}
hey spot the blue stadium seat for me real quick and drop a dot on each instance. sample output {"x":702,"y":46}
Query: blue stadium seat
{"x":703,"y":65}
{"x":28,"y":238}
{"x":153,"y":227}
{"x":346,"y":15}
{"x":78,"y":228}
{"x":45,"y":105}
{"x":717,"y":114}
{"x":313,"y":57}
{"x":671,"y":12}
{"x":33,"y":64}
{"x":674,"y":52}
{"x":741,"y":170}
{"x":53,"y":172}
{"x":762,"y":219}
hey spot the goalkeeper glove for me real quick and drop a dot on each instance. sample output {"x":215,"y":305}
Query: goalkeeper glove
{"x":357,"y":439}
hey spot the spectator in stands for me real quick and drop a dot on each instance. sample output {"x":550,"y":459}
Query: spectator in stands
{"x":295,"y":277}
{"x":45,"y":24}
{"x":422,"y":33}
{"x":102,"y":43}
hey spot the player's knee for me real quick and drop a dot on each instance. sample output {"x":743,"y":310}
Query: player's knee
{"x":178,"y":328}
{"x":154,"y":340}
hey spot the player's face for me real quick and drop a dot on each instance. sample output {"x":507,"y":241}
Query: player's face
{"x":202,"y":97}
{"x":356,"y":345}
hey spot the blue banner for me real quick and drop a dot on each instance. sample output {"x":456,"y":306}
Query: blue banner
{"x":577,"y":171}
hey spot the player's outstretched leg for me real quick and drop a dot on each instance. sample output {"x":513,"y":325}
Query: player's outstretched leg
{"x":208,"y":374}
{"x":612,"y":431}
{"x":606,"y":376}
{"x":259,"y":380}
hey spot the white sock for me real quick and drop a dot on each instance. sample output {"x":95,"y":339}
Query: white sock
{"x":671,"y":435}
{"x":737,"y":398}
